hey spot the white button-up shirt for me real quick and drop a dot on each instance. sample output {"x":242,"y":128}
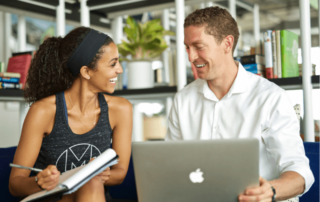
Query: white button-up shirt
{"x":253,"y":108}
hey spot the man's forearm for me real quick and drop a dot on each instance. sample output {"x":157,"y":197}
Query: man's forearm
{"x":288,"y":185}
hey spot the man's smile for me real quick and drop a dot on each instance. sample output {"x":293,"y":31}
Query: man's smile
{"x":199,"y":66}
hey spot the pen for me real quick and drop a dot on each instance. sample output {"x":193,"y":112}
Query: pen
{"x":25,"y":167}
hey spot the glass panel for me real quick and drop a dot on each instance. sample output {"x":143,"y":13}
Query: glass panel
{"x":315,"y":52}
{"x":37,"y":31}
{"x":296,"y":97}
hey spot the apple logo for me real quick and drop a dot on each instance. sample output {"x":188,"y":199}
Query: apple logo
{"x":196,"y":177}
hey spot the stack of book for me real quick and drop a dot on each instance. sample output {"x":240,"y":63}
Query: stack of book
{"x":281,"y":54}
{"x":9,"y":80}
{"x":254,"y":64}
{"x":17,"y":70}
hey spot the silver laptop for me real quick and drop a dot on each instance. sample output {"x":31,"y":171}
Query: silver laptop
{"x":183,"y":171}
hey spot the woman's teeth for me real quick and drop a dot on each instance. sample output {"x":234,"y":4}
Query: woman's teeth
{"x":200,"y":65}
{"x":113,"y":80}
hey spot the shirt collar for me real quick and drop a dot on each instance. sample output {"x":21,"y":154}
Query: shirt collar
{"x":239,"y":85}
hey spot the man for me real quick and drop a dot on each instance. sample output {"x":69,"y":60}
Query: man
{"x":229,"y":102}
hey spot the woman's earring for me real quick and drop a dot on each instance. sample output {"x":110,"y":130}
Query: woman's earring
{"x":88,"y":77}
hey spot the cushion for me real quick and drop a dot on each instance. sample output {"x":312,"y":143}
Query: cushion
{"x":6,"y":157}
{"x":312,"y":152}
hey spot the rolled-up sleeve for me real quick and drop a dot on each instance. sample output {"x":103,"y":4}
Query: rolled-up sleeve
{"x":282,"y":138}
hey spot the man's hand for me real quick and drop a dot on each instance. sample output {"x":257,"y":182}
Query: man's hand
{"x":262,"y":193}
{"x":48,"y":178}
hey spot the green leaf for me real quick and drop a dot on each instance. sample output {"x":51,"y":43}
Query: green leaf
{"x":153,"y":26}
{"x":144,"y":40}
{"x":166,"y":32}
{"x":132,"y":30}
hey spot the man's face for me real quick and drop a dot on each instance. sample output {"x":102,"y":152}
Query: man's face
{"x":204,"y":52}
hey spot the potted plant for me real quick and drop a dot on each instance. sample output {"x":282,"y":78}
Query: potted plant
{"x":145,"y":42}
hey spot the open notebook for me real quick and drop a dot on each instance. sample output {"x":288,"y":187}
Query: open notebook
{"x":72,"y":180}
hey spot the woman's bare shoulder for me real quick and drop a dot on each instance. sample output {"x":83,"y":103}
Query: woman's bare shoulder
{"x":44,"y":106}
{"x":118,"y":103}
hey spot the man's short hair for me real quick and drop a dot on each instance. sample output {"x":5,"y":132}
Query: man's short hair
{"x":217,"y":21}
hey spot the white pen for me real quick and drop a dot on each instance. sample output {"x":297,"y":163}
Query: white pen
{"x":25,"y":167}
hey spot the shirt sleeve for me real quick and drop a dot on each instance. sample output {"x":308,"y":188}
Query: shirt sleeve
{"x":173,"y":132}
{"x":282,"y":138}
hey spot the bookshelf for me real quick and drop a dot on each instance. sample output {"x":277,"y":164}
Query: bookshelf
{"x":162,"y":92}
{"x":136,"y":94}
{"x":295,"y":83}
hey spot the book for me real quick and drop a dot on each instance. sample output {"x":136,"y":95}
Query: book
{"x":274,"y":55}
{"x":159,"y":75}
{"x":289,"y":54}
{"x":32,"y":53}
{"x":278,"y":54}
{"x":172,"y":67}
{"x":119,"y":82}
{"x":5,"y":85}
{"x":2,"y":66}
{"x":258,"y":48}
{"x":9,"y":79}
{"x":252,"y":59}
{"x":10,"y":74}
{"x":268,"y":54}
{"x":20,"y":64}
{"x":124,"y":74}
{"x":313,"y":69}
{"x":72,"y":180}
{"x":255,"y":68}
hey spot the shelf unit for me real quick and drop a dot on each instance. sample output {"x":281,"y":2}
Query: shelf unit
{"x":160,"y":93}
{"x":295,"y":83}
{"x":136,"y":94}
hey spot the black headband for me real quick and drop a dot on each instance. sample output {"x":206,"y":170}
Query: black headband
{"x":86,"y":51}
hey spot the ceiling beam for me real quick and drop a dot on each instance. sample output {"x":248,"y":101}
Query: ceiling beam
{"x":44,"y":5}
{"x":140,"y":10}
{"x":244,"y":5}
{"x":108,"y":5}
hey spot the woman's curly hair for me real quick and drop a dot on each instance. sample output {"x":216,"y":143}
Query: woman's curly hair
{"x":48,"y":73}
{"x":217,"y":21}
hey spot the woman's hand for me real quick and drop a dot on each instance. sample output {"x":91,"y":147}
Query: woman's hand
{"x":48,"y":178}
{"x":104,"y":175}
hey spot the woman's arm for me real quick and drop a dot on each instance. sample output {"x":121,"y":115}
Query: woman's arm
{"x":39,"y":121}
{"x":120,"y":115}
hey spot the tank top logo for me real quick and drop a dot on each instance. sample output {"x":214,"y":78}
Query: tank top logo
{"x":76,"y":155}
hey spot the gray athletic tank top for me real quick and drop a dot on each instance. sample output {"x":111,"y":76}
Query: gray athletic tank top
{"x":67,"y":150}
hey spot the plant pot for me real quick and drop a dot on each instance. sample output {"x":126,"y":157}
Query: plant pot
{"x":140,"y":74}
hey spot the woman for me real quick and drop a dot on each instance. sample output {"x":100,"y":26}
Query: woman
{"x":70,"y":120}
